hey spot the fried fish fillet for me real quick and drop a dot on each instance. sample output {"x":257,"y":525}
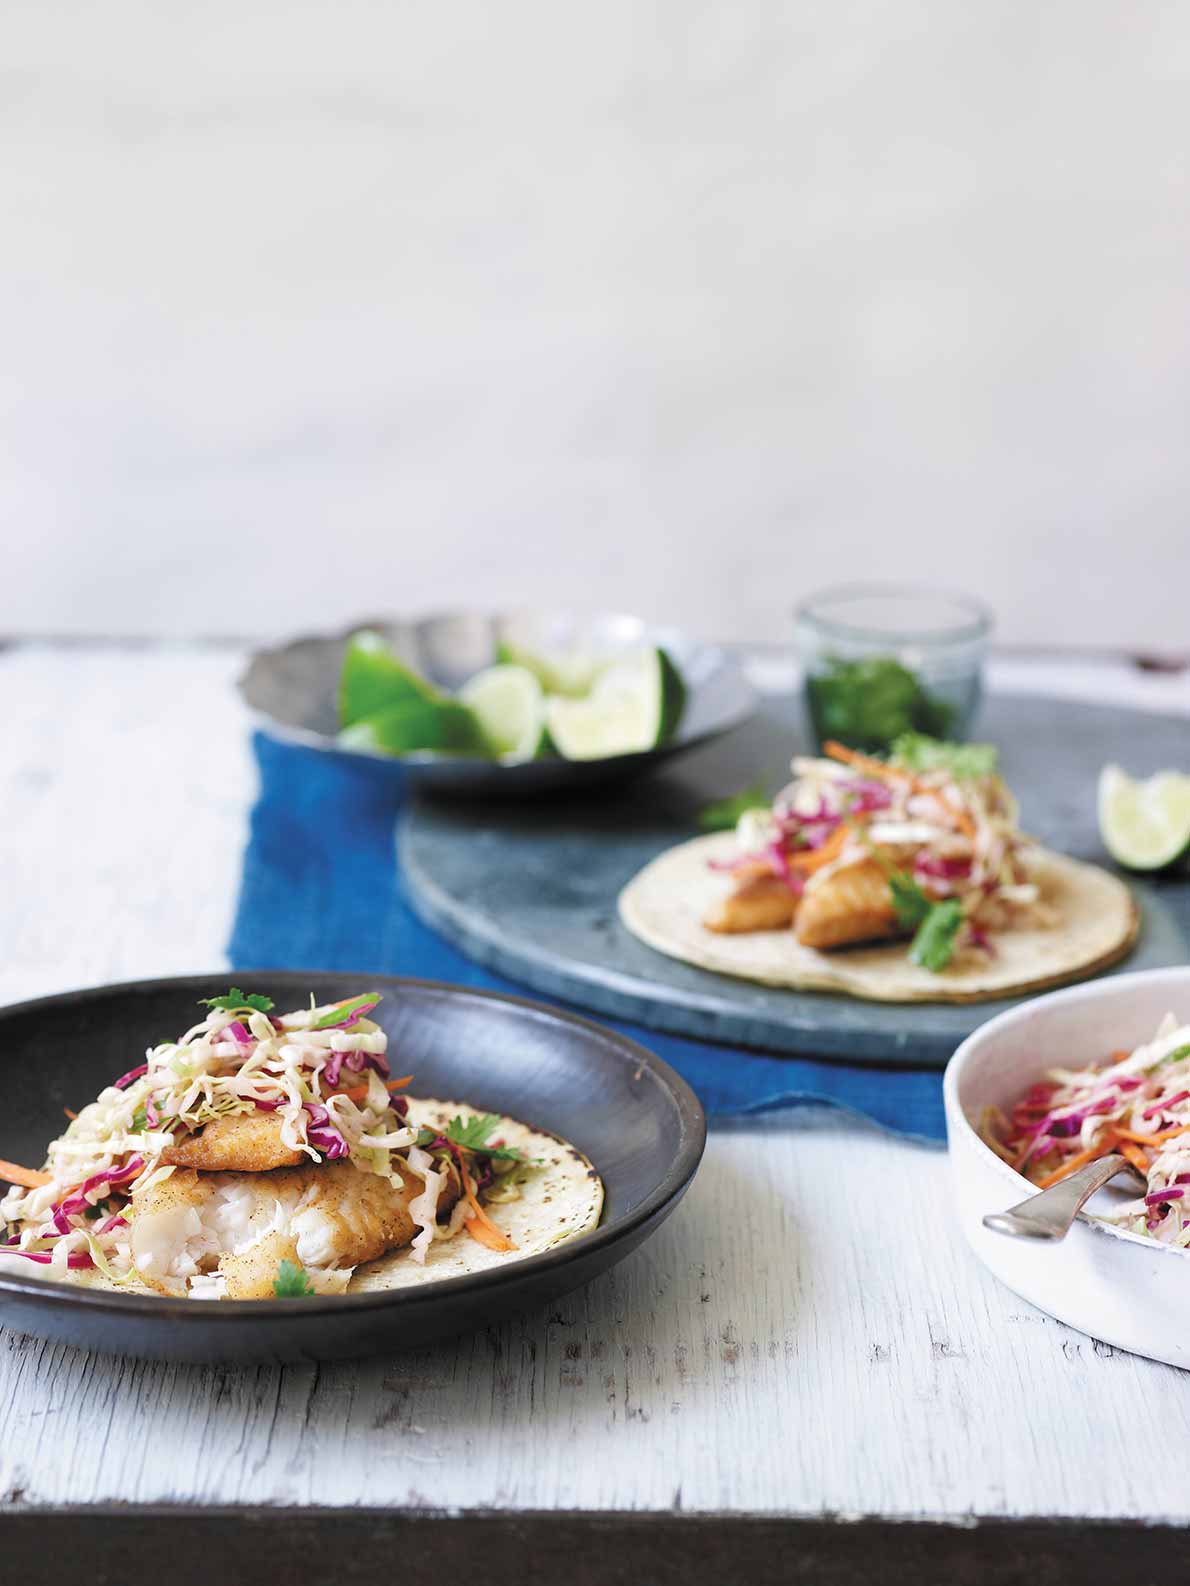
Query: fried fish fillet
{"x":239,"y":1227}
{"x":847,"y":906}
{"x":247,"y":1142}
{"x":760,"y":901}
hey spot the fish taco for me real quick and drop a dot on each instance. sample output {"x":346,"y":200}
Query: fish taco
{"x":899,"y":880}
{"x":264,"y":1156}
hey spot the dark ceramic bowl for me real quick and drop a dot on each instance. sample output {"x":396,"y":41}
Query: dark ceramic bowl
{"x":291,"y":689}
{"x":638,"y":1121}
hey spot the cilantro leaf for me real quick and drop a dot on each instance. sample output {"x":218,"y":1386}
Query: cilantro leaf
{"x":916,"y":752}
{"x":291,"y":1282}
{"x":236,"y":999}
{"x":470,"y":1134}
{"x":725,"y":812}
{"x":140,"y":1120}
{"x":935,"y":924}
{"x":933,"y":946}
{"x":909,"y":901}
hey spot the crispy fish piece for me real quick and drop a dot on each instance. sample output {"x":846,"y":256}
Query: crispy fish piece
{"x":847,"y":906}
{"x":247,"y":1142}
{"x":760,"y":901}
{"x":241,"y":1226}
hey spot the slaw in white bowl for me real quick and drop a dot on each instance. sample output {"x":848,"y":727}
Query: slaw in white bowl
{"x":1124,"y":1288}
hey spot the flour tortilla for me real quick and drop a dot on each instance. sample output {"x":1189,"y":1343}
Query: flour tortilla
{"x":561,"y":1196}
{"x":665,"y":904}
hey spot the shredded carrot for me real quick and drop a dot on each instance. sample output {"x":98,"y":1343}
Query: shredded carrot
{"x":1121,"y":1140}
{"x":1152,"y":1139}
{"x":30,"y":1178}
{"x":479,"y":1225}
{"x":887,"y":773}
{"x":1135,"y":1155}
{"x":359,"y":1091}
{"x":960,"y":817}
{"x":810,"y":860}
{"x":488,"y":1234}
{"x":862,"y":762}
{"x":71,"y":1115}
{"x":1069,"y":1166}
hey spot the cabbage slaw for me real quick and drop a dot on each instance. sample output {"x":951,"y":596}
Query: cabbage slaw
{"x":945,"y":834}
{"x":322,"y":1069}
{"x":1136,"y":1103}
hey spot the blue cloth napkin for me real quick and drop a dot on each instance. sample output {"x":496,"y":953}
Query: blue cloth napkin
{"x":321,"y":890}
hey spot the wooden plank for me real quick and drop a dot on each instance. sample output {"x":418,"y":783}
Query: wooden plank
{"x":125,"y":780}
{"x":258,"y":1547}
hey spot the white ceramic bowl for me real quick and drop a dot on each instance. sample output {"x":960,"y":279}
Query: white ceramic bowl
{"x":1128,"y":1291}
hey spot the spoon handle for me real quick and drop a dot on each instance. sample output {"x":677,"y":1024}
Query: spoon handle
{"x":1050,"y":1214}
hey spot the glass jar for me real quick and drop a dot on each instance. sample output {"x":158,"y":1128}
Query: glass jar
{"x":882,"y":659}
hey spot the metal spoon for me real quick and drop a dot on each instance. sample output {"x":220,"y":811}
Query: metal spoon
{"x":1050,"y":1214}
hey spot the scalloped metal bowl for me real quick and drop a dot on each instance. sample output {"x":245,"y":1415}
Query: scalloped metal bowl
{"x":1125,"y":1290}
{"x":291,"y":690}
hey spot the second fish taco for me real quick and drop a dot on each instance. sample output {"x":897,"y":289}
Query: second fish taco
{"x":906,"y":879}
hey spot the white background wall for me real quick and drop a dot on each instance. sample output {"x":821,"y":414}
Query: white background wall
{"x":685,"y":307}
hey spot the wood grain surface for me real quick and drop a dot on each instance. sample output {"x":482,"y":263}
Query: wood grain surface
{"x":806,"y":1337}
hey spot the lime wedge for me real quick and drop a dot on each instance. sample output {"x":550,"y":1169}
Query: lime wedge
{"x":509,"y":706}
{"x":1144,"y":825}
{"x":634,"y":705}
{"x":569,"y":673}
{"x":438,"y":723}
{"x":372,"y":680}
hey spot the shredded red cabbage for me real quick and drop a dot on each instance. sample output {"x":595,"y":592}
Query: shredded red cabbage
{"x":74,"y":1258}
{"x":867,"y":797}
{"x":942,"y":868}
{"x":77,"y":1201}
{"x":357,"y":1062}
{"x":1170,"y":1101}
{"x":126,"y":1079}
{"x":322,"y":1134}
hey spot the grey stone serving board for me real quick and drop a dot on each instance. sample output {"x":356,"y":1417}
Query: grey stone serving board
{"x":530,"y":889}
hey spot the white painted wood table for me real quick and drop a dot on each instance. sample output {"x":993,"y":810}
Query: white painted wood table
{"x":779,"y":1349}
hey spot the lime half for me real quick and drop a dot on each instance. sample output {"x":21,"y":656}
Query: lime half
{"x":568,"y":672}
{"x":509,"y":706}
{"x":634,"y":705}
{"x":1144,"y":825}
